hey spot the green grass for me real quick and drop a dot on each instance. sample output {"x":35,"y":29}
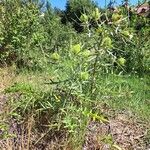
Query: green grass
{"x":67,"y":108}
{"x":128,"y":93}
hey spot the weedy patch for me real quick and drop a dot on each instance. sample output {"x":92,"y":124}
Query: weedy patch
{"x":121,"y":133}
{"x":54,"y":96}
{"x":7,"y":75}
{"x":53,"y":116}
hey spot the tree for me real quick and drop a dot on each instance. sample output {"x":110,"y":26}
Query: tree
{"x":74,"y":9}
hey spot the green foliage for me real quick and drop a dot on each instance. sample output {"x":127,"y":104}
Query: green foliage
{"x":3,"y":130}
{"x":27,"y":37}
{"x":20,"y":25}
{"x":84,"y":69}
{"x":67,"y":105}
{"x":30,"y":38}
{"x":76,"y":10}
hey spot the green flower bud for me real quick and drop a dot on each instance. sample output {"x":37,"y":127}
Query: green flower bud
{"x":84,"y":75}
{"x":84,"y":18}
{"x":55,"y":56}
{"x":96,"y":14}
{"x":76,"y":48}
{"x":99,"y":30}
{"x":122,"y":61}
{"x":127,"y":34}
{"x":107,"y":42}
{"x":116,"y":17}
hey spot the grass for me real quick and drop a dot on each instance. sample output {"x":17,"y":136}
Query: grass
{"x":129,"y":93}
{"x":58,"y":111}
{"x":7,"y":74}
{"x":119,"y":92}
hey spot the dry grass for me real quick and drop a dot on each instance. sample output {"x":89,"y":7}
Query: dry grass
{"x":7,"y":76}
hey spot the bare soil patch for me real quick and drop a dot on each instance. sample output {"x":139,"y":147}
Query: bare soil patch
{"x":122,"y":132}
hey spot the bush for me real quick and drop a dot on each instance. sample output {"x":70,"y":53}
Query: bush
{"x":19,"y":24}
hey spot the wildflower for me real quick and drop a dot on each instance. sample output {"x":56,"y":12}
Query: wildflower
{"x":96,"y":14}
{"x":116,"y":18}
{"x":127,"y":34}
{"x":55,"y":56}
{"x":107,"y":42}
{"x":84,"y":18}
{"x":76,"y":48}
{"x":122,"y":61}
{"x":84,"y":75}
{"x":99,"y":30}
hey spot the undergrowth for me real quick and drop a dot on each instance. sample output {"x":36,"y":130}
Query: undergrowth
{"x":63,"y":78}
{"x":64,"y":109}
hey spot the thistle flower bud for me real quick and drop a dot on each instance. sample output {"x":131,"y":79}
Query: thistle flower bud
{"x":76,"y":48}
{"x":107,"y":42}
{"x":84,"y":75}
{"x":122,"y":61}
{"x":55,"y":56}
